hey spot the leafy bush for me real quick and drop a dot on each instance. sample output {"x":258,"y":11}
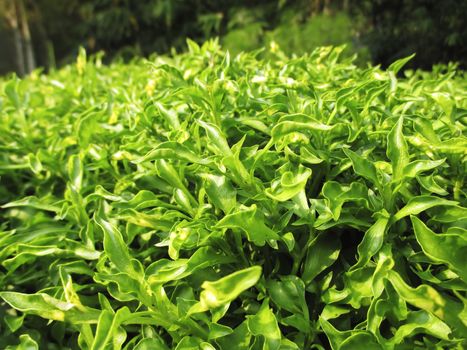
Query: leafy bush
{"x":295,"y":35}
{"x":322,"y":30}
{"x":206,"y":201}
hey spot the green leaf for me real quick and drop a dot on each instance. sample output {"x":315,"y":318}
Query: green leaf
{"x":335,"y":337}
{"x":165,"y":270}
{"x":218,"y":331}
{"x":445,"y":101}
{"x":170,"y":116}
{"x":421,"y":322}
{"x":418,"y":166}
{"x":429,"y":184}
{"x":25,"y":343}
{"x":14,"y":322}
{"x":47,"y":307}
{"x":396,"y":66}
{"x":362,"y":166}
{"x":241,"y":337}
{"x":425,"y":128}
{"x":289,"y":184}
{"x":429,"y":299}
{"x":114,"y":246}
{"x":450,"y":214}
{"x":297,"y":123}
{"x":34,"y":202}
{"x":421,"y":203}
{"x":11,"y":91}
{"x":372,"y":240}
{"x":217,"y":138}
{"x":171,"y":150}
{"x":189,"y":343}
{"x":450,"y":249}
{"x":228,"y":288}
{"x":151,"y":344}
{"x":75,"y":172}
{"x":35,"y":163}
{"x":349,"y":340}
{"x":337,"y":194}
{"x":289,"y":294}
{"x":322,"y":253}
{"x":107,"y":329}
{"x":361,"y":340}
{"x":397,"y":150}
{"x":220,"y":191}
{"x":264,"y":324}
{"x":251,"y":221}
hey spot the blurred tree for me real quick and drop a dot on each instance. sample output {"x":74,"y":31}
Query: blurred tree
{"x":16,"y":19}
{"x":435,"y":30}
{"x":388,"y":29}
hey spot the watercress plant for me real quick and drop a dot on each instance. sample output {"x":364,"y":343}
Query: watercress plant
{"x":204,"y":201}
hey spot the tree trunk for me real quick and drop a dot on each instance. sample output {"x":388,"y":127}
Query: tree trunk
{"x":11,"y":16}
{"x":345,"y":5}
{"x":326,"y":7}
{"x":26,"y":36}
{"x":315,"y":7}
{"x":51,"y":64}
{"x":46,"y":52}
{"x":18,"y":51}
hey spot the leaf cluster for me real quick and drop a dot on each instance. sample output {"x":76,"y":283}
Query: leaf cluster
{"x":204,"y":201}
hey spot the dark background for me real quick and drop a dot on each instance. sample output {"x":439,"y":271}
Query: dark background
{"x":48,"y":33}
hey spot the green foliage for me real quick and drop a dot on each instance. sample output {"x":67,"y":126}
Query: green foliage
{"x":210,"y":201}
{"x":296,"y":36}
{"x":435,"y":30}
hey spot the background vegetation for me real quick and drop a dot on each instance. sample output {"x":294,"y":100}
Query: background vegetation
{"x":49,"y":32}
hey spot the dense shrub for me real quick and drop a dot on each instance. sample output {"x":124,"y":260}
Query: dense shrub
{"x":206,"y":201}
